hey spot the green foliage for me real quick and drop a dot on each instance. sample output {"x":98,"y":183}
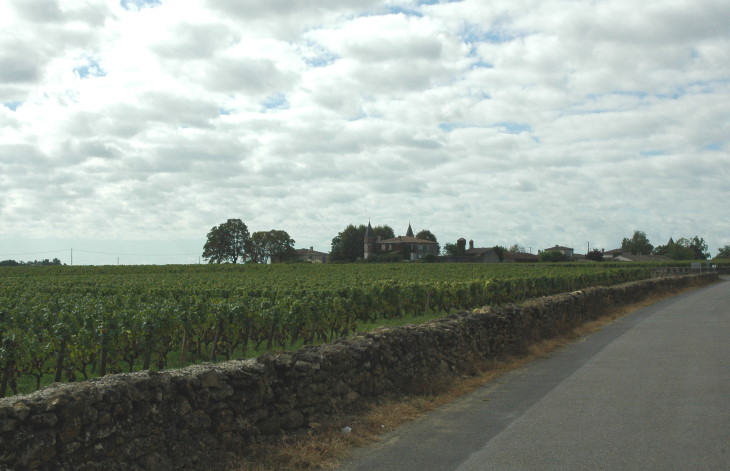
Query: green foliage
{"x":638,"y":244}
{"x":274,"y":245}
{"x":349,"y":245}
{"x":552,"y":256}
{"x":73,"y":323}
{"x":595,"y":255}
{"x":500,"y":252}
{"x":228,"y":242}
{"x":429,"y":258}
{"x":685,"y":249}
{"x":384,"y":232}
{"x":723,"y":253}
{"x":516,"y":248}
{"x":449,"y":249}
{"x":34,"y":263}
{"x":425,"y":234}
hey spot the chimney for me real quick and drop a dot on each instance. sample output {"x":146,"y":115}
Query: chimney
{"x":471,"y":244}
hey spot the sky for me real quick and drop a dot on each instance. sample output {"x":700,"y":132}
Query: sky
{"x":128,"y":129}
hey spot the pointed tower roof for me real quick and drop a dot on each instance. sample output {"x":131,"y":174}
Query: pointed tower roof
{"x":369,"y":231}
{"x":409,"y":233}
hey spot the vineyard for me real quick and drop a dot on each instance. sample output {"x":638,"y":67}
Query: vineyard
{"x":73,"y":323}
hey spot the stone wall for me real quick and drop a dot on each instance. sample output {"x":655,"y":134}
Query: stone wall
{"x":194,"y":417}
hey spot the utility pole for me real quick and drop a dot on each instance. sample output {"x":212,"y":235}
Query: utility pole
{"x":72,"y":257}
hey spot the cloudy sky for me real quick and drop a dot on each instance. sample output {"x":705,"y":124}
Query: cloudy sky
{"x":134,"y":126}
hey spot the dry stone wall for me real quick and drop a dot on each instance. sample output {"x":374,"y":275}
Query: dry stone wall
{"x":195,"y":417}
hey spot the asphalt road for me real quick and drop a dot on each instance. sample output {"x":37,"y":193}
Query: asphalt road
{"x":651,"y":391}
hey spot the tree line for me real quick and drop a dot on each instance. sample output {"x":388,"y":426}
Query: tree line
{"x":34,"y":263}
{"x":231,"y":242}
{"x":684,"y":248}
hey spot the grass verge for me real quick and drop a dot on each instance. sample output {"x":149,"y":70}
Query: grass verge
{"x":324,"y":446}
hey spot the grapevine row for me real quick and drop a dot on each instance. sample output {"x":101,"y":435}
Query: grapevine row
{"x":67,"y":329}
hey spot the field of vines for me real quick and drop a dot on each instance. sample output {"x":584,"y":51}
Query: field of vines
{"x":67,"y":323}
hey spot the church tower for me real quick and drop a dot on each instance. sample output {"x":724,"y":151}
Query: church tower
{"x":409,"y":233}
{"x":370,"y":240}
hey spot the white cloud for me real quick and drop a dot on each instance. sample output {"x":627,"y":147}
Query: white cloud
{"x":522,"y":121}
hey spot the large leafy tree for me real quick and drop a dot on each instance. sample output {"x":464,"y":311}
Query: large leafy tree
{"x":449,"y":249}
{"x":685,"y":249}
{"x":595,"y":255}
{"x":501,"y":250}
{"x":384,"y":232}
{"x":425,"y":234}
{"x":274,"y":245}
{"x":638,"y":244}
{"x":724,"y":252}
{"x":697,"y":245}
{"x":516,"y":248}
{"x":228,"y":242}
{"x":349,"y":245}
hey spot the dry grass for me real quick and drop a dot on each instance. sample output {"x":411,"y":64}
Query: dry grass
{"x":323,"y":447}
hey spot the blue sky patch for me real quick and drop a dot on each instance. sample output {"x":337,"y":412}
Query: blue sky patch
{"x":497,"y":34}
{"x":138,"y":4}
{"x":406,"y":11}
{"x":322,"y":60}
{"x":12,"y":105}
{"x":277,"y":101}
{"x":90,"y":69}
{"x":714,"y":146}
{"x":320,"y":56}
{"x":513,"y":128}
{"x":481,"y":64}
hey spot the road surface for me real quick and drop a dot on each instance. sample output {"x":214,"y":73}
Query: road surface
{"x":651,"y":391}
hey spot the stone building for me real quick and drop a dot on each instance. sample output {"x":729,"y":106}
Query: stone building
{"x":410,"y":247}
{"x":312,"y":256}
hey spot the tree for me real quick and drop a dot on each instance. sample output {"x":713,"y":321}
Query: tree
{"x":449,"y":249}
{"x":516,"y":248}
{"x":349,"y":245}
{"x":274,"y":245}
{"x":684,"y":249}
{"x":724,"y":252}
{"x":384,"y":232}
{"x":228,"y":242}
{"x":500,"y":252}
{"x":638,"y":244}
{"x":595,"y":255}
{"x":425,"y":234}
{"x":552,"y":256}
{"x":699,"y":247}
